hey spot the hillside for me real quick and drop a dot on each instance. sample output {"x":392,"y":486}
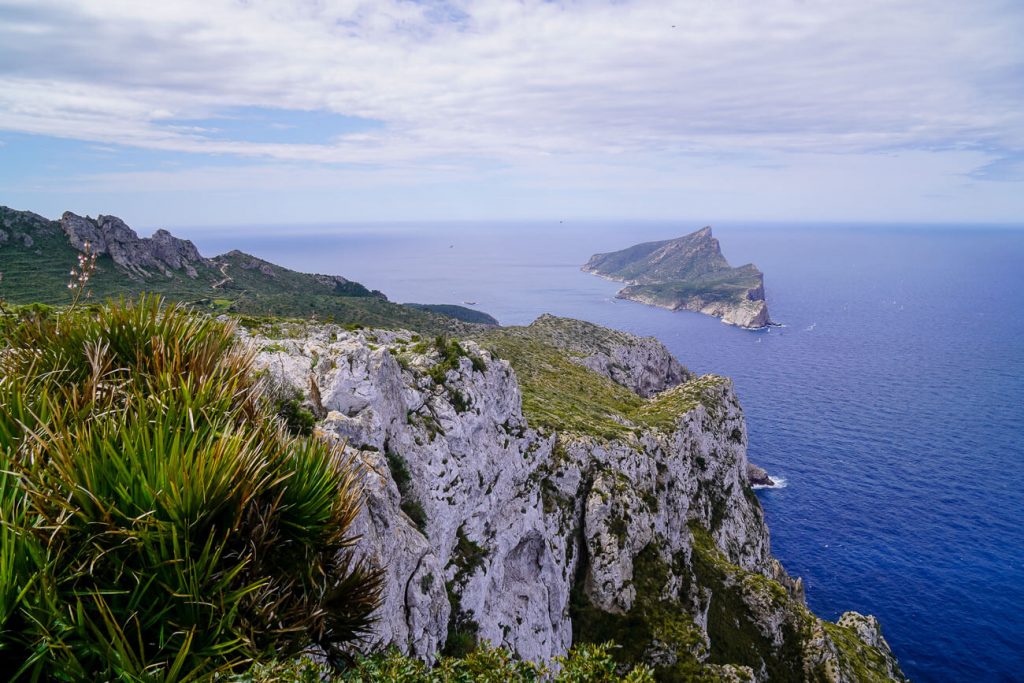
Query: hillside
{"x":687,"y":273}
{"x":36,"y":255}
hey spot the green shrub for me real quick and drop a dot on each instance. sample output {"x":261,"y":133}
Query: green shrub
{"x":485,"y":664}
{"x":297,"y":418}
{"x":403,"y":480}
{"x":158,"y":522}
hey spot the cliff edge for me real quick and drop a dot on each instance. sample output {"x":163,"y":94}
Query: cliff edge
{"x":559,"y":483}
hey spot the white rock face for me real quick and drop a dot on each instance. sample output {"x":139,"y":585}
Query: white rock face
{"x":500,"y":515}
{"x":142,"y":257}
{"x":482,"y":474}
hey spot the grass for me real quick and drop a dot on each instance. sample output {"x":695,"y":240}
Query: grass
{"x":159,"y":522}
{"x":561,"y":395}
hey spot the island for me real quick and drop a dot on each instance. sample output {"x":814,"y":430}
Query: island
{"x":687,"y":273}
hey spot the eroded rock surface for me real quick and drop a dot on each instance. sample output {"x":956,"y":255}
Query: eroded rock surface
{"x":492,"y":530}
{"x":142,"y":257}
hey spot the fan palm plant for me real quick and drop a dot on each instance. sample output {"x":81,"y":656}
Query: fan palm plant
{"x":158,"y":523}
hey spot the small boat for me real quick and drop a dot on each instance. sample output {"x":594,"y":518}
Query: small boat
{"x":469,"y":303}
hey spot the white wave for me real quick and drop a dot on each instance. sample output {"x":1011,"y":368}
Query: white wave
{"x":780,"y":483}
{"x":811,"y":327}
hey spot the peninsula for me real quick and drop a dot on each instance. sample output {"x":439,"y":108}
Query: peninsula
{"x":687,"y":273}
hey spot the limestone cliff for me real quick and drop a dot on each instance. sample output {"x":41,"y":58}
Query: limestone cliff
{"x":588,"y":488}
{"x":142,"y":257}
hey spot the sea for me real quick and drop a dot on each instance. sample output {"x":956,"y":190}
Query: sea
{"x":889,"y":403}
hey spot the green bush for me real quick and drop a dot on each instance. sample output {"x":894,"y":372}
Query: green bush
{"x":486,"y":664}
{"x":158,"y":523}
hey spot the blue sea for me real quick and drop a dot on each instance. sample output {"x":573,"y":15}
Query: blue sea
{"x":891,"y":401}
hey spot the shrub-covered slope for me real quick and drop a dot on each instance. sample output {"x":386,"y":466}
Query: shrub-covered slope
{"x":37,"y":254}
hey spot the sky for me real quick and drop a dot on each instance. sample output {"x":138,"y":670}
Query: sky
{"x":242,"y":112}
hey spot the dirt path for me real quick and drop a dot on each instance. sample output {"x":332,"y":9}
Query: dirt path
{"x":227,"y":278}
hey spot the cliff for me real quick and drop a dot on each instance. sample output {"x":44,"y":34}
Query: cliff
{"x":560,"y":483}
{"x":687,"y":273}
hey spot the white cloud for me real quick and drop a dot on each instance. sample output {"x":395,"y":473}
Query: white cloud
{"x":515,"y":82}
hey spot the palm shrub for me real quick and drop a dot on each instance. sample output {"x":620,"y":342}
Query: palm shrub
{"x":158,"y":523}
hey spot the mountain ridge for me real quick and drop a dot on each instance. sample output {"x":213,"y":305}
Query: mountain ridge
{"x":37,"y":254}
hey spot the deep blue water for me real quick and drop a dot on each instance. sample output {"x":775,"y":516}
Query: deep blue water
{"x":892,"y":402}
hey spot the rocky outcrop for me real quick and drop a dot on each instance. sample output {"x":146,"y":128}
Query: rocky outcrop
{"x":22,"y":228}
{"x":757,"y":476}
{"x":643,"y":365}
{"x":490,"y":529}
{"x":161,"y":254}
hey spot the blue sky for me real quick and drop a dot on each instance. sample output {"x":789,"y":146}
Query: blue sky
{"x":200,"y":112}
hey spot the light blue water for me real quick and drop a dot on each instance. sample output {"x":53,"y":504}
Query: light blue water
{"x":892,"y":402}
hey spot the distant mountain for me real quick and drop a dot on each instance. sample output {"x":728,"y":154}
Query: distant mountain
{"x":37,"y":254}
{"x":687,"y":273}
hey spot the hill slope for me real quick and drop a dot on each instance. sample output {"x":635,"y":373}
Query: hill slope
{"x":687,"y":273}
{"x":36,"y":255}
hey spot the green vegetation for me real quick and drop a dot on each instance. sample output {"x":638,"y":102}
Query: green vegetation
{"x":403,"y":480}
{"x":450,"y":351}
{"x":486,"y":664}
{"x":726,"y":286}
{"x":467,"y":315}
{"x":235,"y":283}
{"x":864,"y":663}
{"x":158,"y":524}
{"x":553,"y":386}
{"x":298,"y":419}
{"x":733,"y":629}
{"x":467,"y":557}
{"x":656,"y":620}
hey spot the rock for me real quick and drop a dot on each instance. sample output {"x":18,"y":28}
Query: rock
{"x":488,"y":528}
{"x":642,"y":365}
{"x":757,"y":476}
{"x":141,"y":257}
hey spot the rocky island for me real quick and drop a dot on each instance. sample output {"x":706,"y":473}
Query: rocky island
{"x":687,"y":273}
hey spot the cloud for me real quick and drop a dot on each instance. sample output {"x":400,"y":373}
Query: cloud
{"x":495,"y":82}
{"x":1003,"y":169}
